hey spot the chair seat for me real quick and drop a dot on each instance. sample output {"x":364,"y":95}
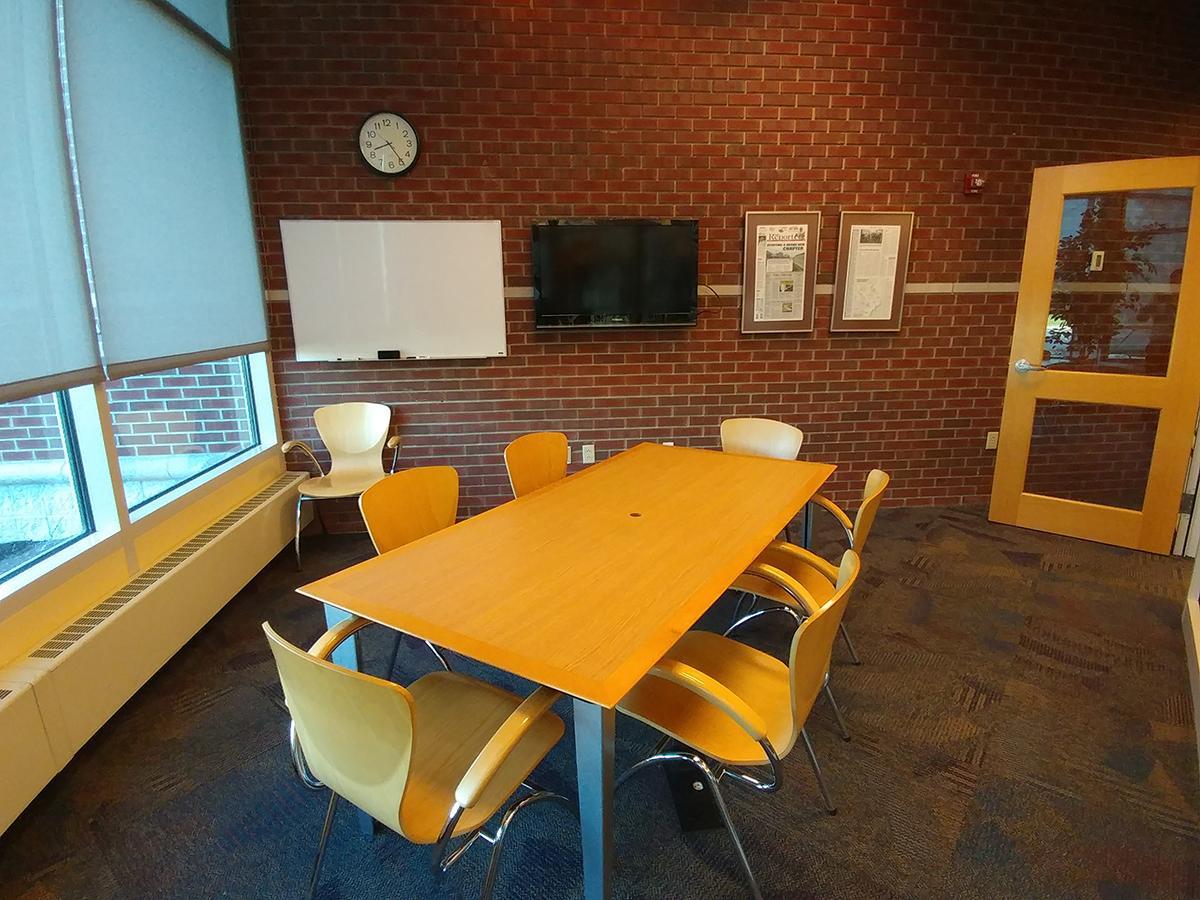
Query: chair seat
{"x":817,"y":584}
{"x":454,"y":717}
{"x":332,"y":486}
{"x":762,"y":681}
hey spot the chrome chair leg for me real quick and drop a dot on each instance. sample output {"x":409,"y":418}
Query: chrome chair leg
{"x":816,"y":767}
{"x":837,"y":711}
{"x":440,"y":656}
{"x":711,"y":778}
{"x":849,"y":644}
{"x":316,"y":869}
{"x":489,"y":879}
{"x":737,"y":610}
{"x":396,"y":655}
{"x":299,"y":511}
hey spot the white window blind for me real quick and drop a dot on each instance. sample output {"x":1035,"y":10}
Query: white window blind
{"x":164,"y":187}
{"x":47,"y":336}
{"x":211,"y":15}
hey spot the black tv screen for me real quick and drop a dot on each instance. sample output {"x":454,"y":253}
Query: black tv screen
{"x":616,"y":272}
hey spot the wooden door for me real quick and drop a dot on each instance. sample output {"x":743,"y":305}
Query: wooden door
{"x":1104,"y":373}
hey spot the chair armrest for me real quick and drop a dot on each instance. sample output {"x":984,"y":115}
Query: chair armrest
{"x":393,"y":444}
{"x":822,"y":565}
{"x":501,"y":744}
{"x":335,"y":636}
{"x":708,"y":688}
{"x":836,"y":511}
{"x":289,"y":446}
{"x":800,"y":597}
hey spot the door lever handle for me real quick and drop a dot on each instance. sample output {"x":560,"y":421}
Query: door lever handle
{"x":1024,"y":367}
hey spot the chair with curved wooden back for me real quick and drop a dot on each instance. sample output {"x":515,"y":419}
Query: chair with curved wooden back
{"x":409,"y":505}
{"x":433,"y":761}
{"x":857,"y":529}
{"x":355,"y":435}
{"x":406,"y":506}
{"x":535,"y":460}
{"x":761,"y":437}
{"x":735,"y":705}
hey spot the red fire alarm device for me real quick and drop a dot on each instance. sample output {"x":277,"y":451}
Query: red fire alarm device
{"x":973,"y":183}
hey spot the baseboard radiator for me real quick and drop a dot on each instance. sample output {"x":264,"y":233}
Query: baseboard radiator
{"x":57,"y":696}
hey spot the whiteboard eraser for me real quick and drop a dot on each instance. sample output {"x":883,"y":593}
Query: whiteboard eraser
{"x":387,"y":354}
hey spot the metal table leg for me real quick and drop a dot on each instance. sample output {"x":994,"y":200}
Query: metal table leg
{"x":346,"y":655}
{"x":594,"y":730}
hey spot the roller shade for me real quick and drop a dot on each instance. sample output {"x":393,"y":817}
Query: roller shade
{"x":47,"y":335}
{"x":163,"y":184}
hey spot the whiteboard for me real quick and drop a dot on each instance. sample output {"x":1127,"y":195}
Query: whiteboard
{"x":394,"y":290}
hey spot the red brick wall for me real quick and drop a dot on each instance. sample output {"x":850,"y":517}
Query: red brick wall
{"x":1091,"y":452}
{"x":30,"y":431}
{"x":705,"y":109}
{"x":195,"y":409}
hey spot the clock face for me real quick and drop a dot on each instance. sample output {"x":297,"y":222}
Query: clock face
{"x":388,"y":143}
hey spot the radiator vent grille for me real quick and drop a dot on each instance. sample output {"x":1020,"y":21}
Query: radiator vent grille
{"x":4,"y":693}
{"x":121,"y":597}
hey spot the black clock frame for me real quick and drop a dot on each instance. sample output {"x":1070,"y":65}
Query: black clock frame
{"x":363,"y":159}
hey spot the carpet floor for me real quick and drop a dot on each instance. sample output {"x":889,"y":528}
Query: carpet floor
{"x":1022,"y":728}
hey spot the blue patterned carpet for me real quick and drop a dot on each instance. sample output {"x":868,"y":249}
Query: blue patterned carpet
{"x":1022,"y":728}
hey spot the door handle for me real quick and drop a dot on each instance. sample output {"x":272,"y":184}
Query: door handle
{"x":1024,"y":367}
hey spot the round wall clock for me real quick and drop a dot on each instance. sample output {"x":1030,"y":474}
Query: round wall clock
{"x":388,"y":143}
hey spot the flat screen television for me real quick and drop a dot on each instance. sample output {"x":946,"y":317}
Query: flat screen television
{"x":615,"y":272}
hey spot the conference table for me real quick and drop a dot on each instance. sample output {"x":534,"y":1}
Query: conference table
{"x":583,"y":585}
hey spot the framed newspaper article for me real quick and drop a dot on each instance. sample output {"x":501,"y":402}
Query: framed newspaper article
{"x":872,"y":261}
{"x":780,"y":273}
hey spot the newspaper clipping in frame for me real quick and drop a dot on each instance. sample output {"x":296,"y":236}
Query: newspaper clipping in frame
{"x":781,"y":252}
{"x":871,"y":271}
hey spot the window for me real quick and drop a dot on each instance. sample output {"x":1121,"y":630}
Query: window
{"x":171,"y":427}
{"x":43,"y":497}
{"x":101,"y":219}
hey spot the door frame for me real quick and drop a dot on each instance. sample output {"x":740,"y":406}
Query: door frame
{"x":1176,"y":394}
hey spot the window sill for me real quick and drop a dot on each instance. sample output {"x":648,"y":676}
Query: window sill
{"x":185,"y":487}
{"x":153,"y":533}
{"x":49,"y":564}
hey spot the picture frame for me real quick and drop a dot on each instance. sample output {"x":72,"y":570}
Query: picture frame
{"x":872,"y":265}
{"x":779,"y":277}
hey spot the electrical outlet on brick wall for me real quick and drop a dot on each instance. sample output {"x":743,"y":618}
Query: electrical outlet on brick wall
{"x":993,"y":440}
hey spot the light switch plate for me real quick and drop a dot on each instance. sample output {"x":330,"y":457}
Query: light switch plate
{"x":993,"y":440}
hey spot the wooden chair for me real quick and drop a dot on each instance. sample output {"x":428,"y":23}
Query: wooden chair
{"x":856,"y":529}
{"x":433,"y":761}
{"x":406,"y":506}
{"x":535,"y":460}
{"x":355,"y":435}
{"x":736,"y":706}
{"x":761,"y":437}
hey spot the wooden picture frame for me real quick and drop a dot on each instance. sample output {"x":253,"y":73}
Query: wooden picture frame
{"x":873,"y":252}
{"x":766,"y":306}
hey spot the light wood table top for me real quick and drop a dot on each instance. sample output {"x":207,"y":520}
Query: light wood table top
{"x":584,"y":584}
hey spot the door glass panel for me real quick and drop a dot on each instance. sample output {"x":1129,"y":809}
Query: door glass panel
{"x":1094,"y":452}
{"x":1116,"y":281}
